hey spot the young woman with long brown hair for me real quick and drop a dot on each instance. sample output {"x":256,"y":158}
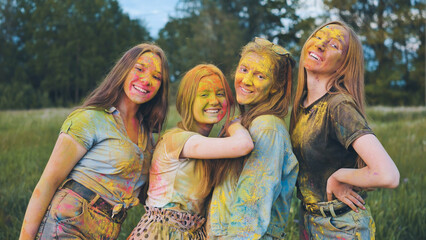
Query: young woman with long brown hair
{"x":183,"y":169}
{"x":337,"y":151}
{"x":254,"y":201}
{"x":102,"y":155}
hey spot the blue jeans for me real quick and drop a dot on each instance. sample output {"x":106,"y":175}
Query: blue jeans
{"x":70,"y":216}
{"x":351,"y":225}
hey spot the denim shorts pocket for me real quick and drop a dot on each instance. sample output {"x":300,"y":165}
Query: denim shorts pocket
{"x":343,"y":223}
{"x":69,"y":207}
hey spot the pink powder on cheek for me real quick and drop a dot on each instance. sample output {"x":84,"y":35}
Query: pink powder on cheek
{"x":223,"y":111}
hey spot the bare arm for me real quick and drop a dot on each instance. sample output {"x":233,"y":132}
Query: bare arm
{"x":66,"y":153}
{"x":380,"y":171}
{"x":238,"y":144}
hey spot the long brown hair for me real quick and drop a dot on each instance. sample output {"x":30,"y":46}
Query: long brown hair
{"x":109,"y":92}
{"x":212,"y":171}
{"x":348,"y":78}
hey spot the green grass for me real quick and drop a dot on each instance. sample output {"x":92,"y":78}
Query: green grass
{"x":27,"y":139}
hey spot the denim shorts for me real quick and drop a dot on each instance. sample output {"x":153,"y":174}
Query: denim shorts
{"x":70,"y":216}
{"x":351,"y":225}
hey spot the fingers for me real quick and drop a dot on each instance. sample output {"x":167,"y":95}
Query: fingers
{"x":355,"y":201}
{"x":358,"y":197}
{"x":349,"y":203}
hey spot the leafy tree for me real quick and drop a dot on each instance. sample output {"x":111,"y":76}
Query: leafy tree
{"x":393,"y":35}
{"x":60,"y":49}
{"x":215,"y":30}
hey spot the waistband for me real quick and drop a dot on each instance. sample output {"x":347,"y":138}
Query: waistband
{"x":116,"y":213}
{"x":329,"y":209}
{"x":183,"y":221}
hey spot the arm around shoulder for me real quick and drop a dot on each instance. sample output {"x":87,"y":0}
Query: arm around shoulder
{"x":66,"y":153}
{"x":238,"y":144}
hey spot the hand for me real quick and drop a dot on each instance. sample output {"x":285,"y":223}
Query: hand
{"x":344,"y":193}
{"x":234,"y":125}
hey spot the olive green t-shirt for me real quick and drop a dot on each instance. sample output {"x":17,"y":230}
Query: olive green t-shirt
{"x":322,"y":137}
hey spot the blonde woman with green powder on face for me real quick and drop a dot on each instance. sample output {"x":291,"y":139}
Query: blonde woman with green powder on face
{"x":102,"y":155}
{"x":337,"y":151}
{"x":187,"y":163}
{"x":254,"y":200}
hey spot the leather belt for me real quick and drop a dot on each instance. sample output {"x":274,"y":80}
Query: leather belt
{"x":99,"y":204}
{"x":330,"y":209}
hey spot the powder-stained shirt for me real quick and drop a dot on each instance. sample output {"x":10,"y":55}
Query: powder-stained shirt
{"x":114,"y":166}
{"x":174,"y":182}
{"x":322,"y":138}
{"x":257,"y":204}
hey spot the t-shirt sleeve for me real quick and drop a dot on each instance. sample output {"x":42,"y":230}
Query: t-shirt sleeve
{"x":348,"y":123}
{"x":80,"y":125}
{"x":175,"y":141}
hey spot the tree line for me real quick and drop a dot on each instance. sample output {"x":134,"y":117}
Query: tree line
{"x":54,"y":52}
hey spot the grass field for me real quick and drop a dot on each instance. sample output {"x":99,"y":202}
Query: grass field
{"x":27,"y":139}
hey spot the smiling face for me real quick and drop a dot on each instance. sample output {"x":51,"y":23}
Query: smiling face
{"x":326,"y":50}
{"x":253,"y":79}
{"x":144,"y":79}
{"x":210,"y":103}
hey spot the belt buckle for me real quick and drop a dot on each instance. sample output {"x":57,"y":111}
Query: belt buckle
{"x":117,"y":209}
{"x":118,"y":213}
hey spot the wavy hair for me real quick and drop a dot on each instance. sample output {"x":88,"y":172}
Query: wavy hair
{"x":213,"y":171}
{"x":278,"y":101}
{"x":110,"y":91}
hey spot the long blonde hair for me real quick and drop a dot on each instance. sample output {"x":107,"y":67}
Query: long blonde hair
{"x":212,"y":171}
{"x":109,"y":92}
{"x":279,"y":100}
{"x":348,"y":78}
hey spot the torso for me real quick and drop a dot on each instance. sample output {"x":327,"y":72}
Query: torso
{"x":321,"y":139}
{"x":176,"y":183}
{"x":112,"y":157}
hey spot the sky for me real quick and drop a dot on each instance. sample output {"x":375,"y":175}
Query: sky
{"x":155,"y":13}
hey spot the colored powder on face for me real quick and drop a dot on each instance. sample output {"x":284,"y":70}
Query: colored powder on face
{"x":210,"y":83}
{"x":335,"y":33}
